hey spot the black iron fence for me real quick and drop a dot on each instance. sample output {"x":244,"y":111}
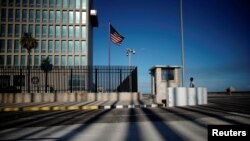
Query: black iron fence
{"x":69,"y":79}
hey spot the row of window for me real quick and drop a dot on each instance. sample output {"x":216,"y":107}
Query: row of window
{"x":44,"y":31}
{"x":51,"y":16}
{"x":46,"y":46}
{"x":56,"y":60}
{"x":45,"y":3}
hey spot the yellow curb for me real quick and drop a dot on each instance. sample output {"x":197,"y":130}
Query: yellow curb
{"x":45,"y":108}
{"x":92,"y":107}
{"x":73,"y":108}
{"x":8,"y":109}
{"x":31,"y":109}
{"x":59,"y":108}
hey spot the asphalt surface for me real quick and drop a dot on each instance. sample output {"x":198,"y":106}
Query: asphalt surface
{"x":178,"y":123}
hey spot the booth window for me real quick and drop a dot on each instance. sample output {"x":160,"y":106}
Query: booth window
{"x":167,"y":74}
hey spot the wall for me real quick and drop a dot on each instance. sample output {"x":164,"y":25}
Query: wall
{"x":182,"y":96}
{"x":66,"y":97}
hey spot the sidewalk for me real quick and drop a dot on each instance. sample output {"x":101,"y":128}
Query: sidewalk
{"x":90,"y":105}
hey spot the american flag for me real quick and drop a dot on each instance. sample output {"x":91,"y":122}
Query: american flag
{"x":115,"y":37}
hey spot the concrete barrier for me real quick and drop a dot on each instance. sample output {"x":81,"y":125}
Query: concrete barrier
{"x":66,"y":97}
{"x":182,"y":96}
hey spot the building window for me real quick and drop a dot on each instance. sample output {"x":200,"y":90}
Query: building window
{"x":23,"y":59}
{"x":31,"y":15}
{"x":31,"y":2}
{"x":43,"y":57}
{"x":63,"y":61}
{"x":37,"y":49}
{"x":58,"y":31}
{"x":45,"y":16}
{"x":71,"y":32}
{"x":2,"y":45}
{"x":9,"y":60}
{"x":77,"y":82}
{"x":70,"y":61}
{"x":23,"y":50}
{"x":71,"y":17}
{"x":24,"y":3}
{"x":167,"y":74}
{"x":71,"y":4}
{"x":64,"y":31}
{"x":78,"y":17}
{"x":1,"y":60}
{"x":58,"y":16}
{"x":57,"y":48}
{"x":37,"y":30}
{"x":51,"y":16}
{"x":65,"y":3}
{"x":16,"y":46}
{"x":31,"y":29}
{"x":44,"y":31}
{"x":58,"y":3}
{"x":38,"y":16}
{"x":78,"y":4}
{"x":16,"y":60}
{"x":3,"y":28}
{"x":38,"y":3}
{"x":4,"y":81}
{"x":11,"y":2}
{"x":17,"y":29}
{"x":19,"y":80}
{"x":11,"y":14}
{"x":24,"y":29}
{"x":51,"y":46}
{"x":43,"y":50}
{"x":64,"y":46}
{"x":83,"y":60}
{"x":70,"y":47}
{"x":51,"y":3}
{"x":83,"y":49}
{"x":77,"y":31}
{"x":10,"y":30}
{"x":77,"y":63}
{"x":51,"y":31}
{"x":9,"y":46}
{"x":36,"y":60}
{"x":77,"y":46}
{"x":65,"y":17}
{"x":24,"y":15}
{"x":3,"y":2}
{"x":17,"y":15}
{"x":84,"y":32}
{"x":84,"y":17}
{"x":3,"y":15}
{"x":18,"y":2}
{"x":56,"y":60}
{"x":84,"y":4}
{"x":45,"y":3}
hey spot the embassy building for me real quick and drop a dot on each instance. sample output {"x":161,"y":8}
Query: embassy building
{"x":63,"y":29}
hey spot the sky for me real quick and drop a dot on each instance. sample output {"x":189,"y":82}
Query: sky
{"x":216,"y":39}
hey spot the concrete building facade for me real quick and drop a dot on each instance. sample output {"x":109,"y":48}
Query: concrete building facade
{"x":63,"y":28}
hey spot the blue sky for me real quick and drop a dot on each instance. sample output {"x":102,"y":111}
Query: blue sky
{"x":216,"y":39}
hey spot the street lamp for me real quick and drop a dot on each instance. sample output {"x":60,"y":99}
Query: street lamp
{"x":130,"y":51}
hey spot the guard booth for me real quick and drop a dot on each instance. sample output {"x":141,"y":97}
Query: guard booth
{"x":163,"y":77}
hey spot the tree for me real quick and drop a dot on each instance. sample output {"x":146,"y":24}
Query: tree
{"x":28,"y":42}
{"x":46,"y":66}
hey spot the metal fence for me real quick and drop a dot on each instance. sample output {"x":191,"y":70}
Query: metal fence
{"x":69,"y":79}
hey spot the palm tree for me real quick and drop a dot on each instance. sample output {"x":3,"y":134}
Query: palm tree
{"x":46,"y":66}
{"x":28,"y":42}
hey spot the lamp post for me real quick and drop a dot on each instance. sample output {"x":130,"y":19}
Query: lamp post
{"x":130,"y":51}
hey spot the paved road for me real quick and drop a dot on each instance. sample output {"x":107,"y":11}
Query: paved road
{"x":146,"y":124}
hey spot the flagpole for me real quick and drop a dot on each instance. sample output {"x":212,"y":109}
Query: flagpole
{"x":109,"y":46}
{"x":182,"y":45}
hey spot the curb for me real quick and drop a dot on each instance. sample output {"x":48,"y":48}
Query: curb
{"x":87,"y":107}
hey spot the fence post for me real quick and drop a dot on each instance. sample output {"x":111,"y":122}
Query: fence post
{"x":120,"y":85}
{"x":21,"y":81}
{"x":96,"y":80}
{"x":71,"y":80}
